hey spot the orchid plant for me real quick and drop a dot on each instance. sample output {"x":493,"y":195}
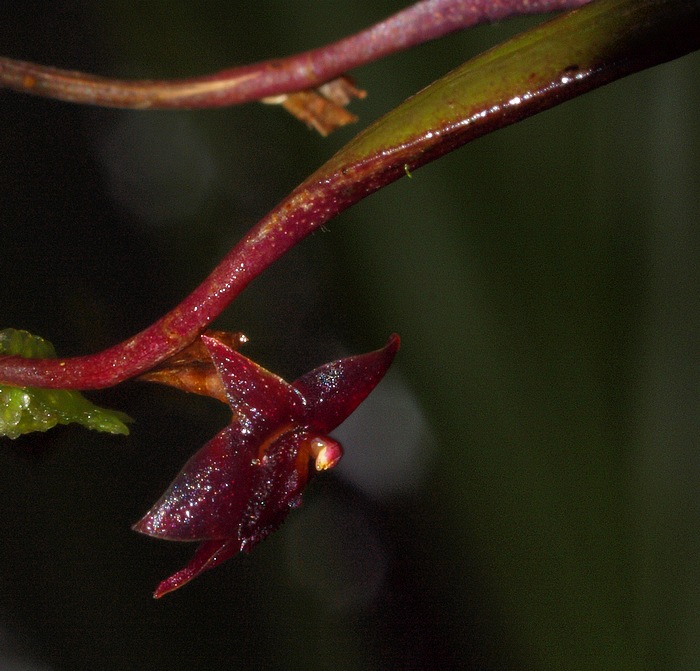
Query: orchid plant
{"x":241,"y":485}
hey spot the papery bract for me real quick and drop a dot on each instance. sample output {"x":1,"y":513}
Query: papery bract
{"x":241,"y":485}
{"x":192,"y":369}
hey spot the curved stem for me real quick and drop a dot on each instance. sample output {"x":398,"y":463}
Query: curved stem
{"x":560,"y":60}
{"x":421,"y":22}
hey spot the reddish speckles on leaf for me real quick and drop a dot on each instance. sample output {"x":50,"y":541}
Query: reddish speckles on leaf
{"x":242,"y":484}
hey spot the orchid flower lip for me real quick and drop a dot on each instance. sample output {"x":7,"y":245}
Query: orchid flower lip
{"x":326,"y":452}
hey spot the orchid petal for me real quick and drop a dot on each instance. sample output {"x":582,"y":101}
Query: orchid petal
{"x":280,"y":481}
{"x":208,"y":555}
{"x":268,"y":398}
{"x":210,"y":494}
{"x":334,"y":390}
{"x":226,"y":491}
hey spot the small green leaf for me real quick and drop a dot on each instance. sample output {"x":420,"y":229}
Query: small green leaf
{"x":27,"y":409}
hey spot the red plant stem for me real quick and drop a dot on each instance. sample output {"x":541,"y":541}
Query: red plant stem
{"x":488,"y":93}
{"x":421,"y":22}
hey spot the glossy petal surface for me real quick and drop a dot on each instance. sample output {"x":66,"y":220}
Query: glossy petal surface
{"x":208,"y":555}
{"x":259,"y":394}
{"x":334,"y":390}
{"x":210,"y":494}
{"x":241,"y":485}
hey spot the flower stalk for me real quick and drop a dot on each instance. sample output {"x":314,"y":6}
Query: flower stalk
{"x":562,"y":59}
{"x":419,"y":23}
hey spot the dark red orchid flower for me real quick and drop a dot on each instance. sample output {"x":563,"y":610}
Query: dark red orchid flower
{"x":240,"y":486}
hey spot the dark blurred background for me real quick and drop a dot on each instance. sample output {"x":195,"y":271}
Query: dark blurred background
{"x":522,"y":492}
